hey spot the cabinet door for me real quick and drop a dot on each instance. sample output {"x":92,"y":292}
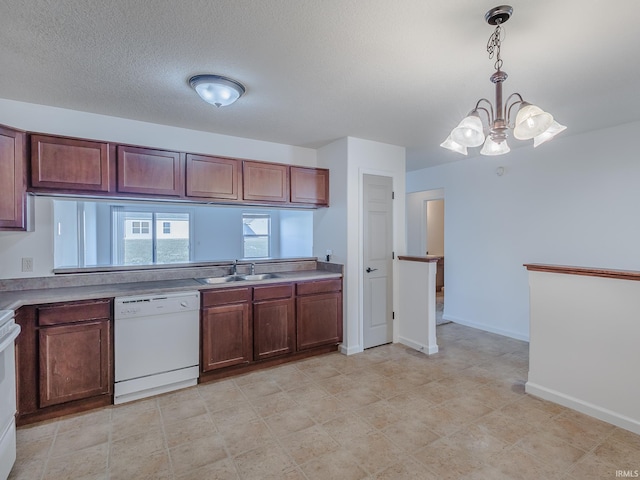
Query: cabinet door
{"x":12,"y":180}
{"x":265,"y":182}
{"x":273,"y":328}
{"x":310,"y":186}
{"x":156,"y":172}
{"x":226,"y":338}
{"x":71,"y":164}
{"x":27,"y":361}
{"x":319,"y":320}
{"x":213,"y":177}
{"x":74,"y":362}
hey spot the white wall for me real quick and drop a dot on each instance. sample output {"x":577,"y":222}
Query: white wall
{"x":584,"y":345}
{"x":60,"y":121}
{"x":37,"y":244}
{"x":340,"y":227}
{"x":44,"y":119}
{"x":572,"y":201}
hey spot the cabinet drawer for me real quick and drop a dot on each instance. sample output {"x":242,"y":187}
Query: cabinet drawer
{"x":73,"y":312}
{"x":270,"y":292}
{"x":224,"y":296}
{"x":320,"y":286}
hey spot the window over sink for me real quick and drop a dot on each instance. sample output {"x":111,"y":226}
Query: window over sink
{"x":115,"y":233}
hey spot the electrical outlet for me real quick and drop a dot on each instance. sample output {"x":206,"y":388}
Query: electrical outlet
{"x":27,"y":264}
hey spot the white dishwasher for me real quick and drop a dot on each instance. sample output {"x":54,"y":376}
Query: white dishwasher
{"x":156,"y":344}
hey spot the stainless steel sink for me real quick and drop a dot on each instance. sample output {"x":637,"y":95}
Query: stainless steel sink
{"x":236,"y":278}
{"x":215,"y":280}
{"x":260,"y":276}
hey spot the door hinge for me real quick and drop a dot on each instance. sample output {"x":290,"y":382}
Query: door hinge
{"x":393,"y":315}
{"x":393,"y":195}
{"x":393,"y":255}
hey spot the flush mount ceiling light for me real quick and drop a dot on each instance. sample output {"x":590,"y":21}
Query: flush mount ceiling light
{"x":530,"y":122}
{"x":216,"y":89}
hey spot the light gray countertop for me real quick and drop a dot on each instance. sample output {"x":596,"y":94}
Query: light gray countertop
{"x":13,"y":300}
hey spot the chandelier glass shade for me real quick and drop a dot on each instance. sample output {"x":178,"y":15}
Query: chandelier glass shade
{"x":531,"y":122}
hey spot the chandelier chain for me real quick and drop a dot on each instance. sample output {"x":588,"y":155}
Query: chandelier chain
{"x":493,"y":46}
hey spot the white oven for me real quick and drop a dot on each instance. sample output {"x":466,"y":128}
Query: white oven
{"x":156,"y":344}
{"x":8,"y":334}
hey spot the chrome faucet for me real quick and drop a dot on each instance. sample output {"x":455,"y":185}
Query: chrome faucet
{"x":234,"y":267}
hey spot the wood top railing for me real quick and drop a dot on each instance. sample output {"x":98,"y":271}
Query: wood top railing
{"x":585,"y":271}
{"x":420,"y":258}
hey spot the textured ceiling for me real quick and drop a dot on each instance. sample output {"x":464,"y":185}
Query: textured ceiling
{"x":402,"y":72}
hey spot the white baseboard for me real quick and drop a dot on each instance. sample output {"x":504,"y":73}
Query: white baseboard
{"x":418,"y":346}
{"x":487,"y":328}
{"x":581,"y":406}
{"x":350,"y":350}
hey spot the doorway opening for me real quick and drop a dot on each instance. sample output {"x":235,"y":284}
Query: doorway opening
{"x":425,"y":236}
{"x":434,"y":234}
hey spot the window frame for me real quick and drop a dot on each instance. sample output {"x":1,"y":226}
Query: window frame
{"x":268,"y":236}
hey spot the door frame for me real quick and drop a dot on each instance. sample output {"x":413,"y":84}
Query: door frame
{"x":394,"y":239}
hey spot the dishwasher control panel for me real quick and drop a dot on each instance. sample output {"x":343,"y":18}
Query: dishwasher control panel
{"x":158,"y":304}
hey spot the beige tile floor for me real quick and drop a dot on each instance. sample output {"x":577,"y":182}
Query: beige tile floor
{"x":388,"y":413}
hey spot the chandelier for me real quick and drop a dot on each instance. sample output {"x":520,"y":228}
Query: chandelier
{"x":530,"y":122}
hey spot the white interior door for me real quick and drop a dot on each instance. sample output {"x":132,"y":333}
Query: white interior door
{"x":377,"y":260}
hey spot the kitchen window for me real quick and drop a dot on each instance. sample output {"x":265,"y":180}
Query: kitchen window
{"x":144,"y":236}
{"x":96,"y":233}
{"x":256,"y":234}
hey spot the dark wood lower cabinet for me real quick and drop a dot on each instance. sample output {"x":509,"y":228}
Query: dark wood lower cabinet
{"x":319,"y":320}
{"x":74,"y":362}
{"x":64,"y":358}
{"x":318,"y":313}
{"x":226,"y":335}
{"x":64,"y":353}
{"x":273,"y":328}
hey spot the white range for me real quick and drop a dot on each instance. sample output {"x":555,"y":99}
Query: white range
{"x":9,"y":331}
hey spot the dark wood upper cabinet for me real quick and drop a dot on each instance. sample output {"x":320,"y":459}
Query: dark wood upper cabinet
{"x":265,"y":182}
{"x":213,"y":177}
{"x":310,"y":186}
{"x":83,"y":167}
{"x":13,"y":179}
{"x":148,"y":171}
{"x":70,"y":164}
